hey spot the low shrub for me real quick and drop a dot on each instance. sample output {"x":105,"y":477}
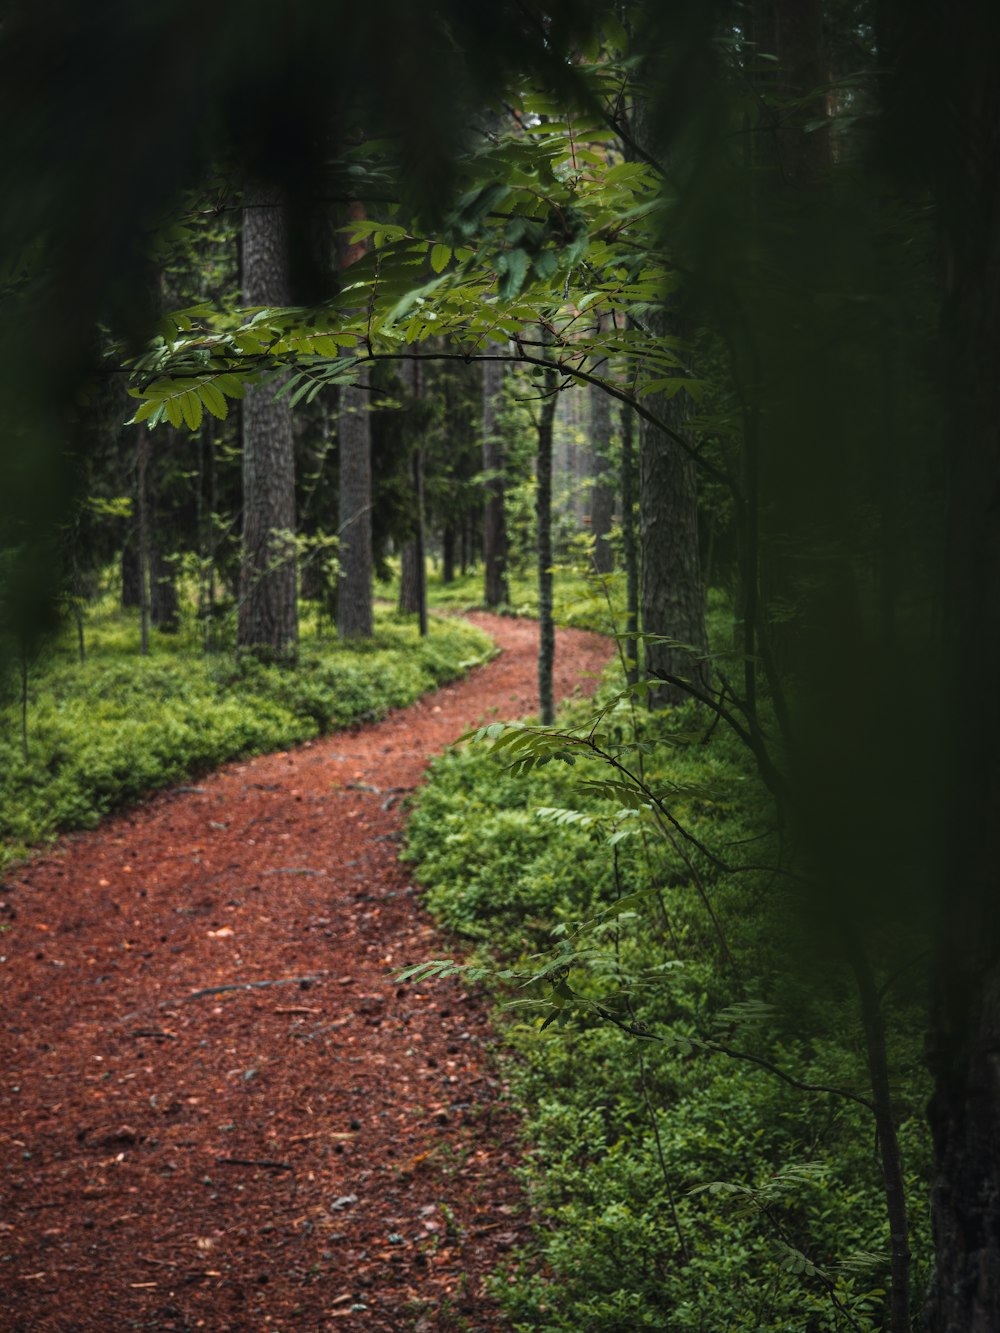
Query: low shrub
{"x":679,"y":1180}
{"x":111,"y":729}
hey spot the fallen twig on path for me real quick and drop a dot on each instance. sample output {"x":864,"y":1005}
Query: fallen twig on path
{"x":264,"y":1162}
{"x":293,"y":870}
{"x":223,"y":990}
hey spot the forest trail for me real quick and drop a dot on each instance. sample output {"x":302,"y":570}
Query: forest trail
{"x":216,"y":1113}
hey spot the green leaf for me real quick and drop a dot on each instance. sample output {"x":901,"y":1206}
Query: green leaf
{"x":440,"y":256}
{"x":146,"y":410}
{"x":213,"y":399}
{"x":191,"y":409}
{"x":231,"y":385}
{"x":514,"y":267}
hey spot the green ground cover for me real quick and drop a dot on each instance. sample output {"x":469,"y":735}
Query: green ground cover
{"x":578,"y":601}
{"x":676,"y":1186}
{"x":106,"y":731}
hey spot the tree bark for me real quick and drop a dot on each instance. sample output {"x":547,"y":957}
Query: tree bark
{"x":354,"y":587}
{"x":543,"y":512}
{"x":409,"y":582}
{"x":355,"y":614}
{"x":142,"y":469}
{"x":578,"y":457}
{"x":671,"y":592}
{"x":629,"y":542}
{"x":448,"y":554}
{"x":602,"y":495}
{"x":672,"y":596}
{"x":267,"y":624}
{"x":130,"y":566}
{"x":164,"y":604}
{"x":420,"y":556}
{"x":413,"y":582}
{"x":496,"y":591}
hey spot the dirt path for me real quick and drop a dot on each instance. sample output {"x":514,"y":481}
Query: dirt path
{"x":216,"y":1114}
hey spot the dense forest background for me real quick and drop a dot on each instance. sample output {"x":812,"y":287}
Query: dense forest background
{"x":703,"y":298}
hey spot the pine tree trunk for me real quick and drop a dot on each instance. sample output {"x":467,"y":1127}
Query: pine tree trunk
{"x":354,"y":587}
{"x":420,"y":556}
{"x":164,"y":605}
{"x":602,"y":495}
{"x":629,"y":543}
{"x":142,"y":470}
{"x":580,"y":453}
{"x":409,"y":581}
{"x":494,"y":522}
{"x":210,"y":543}
{"x":543,"y":511}
{"x":268,"y":613}
{"x":448,"y":554}
{"x":413,"y":583}
{"x":672,"y":596}
{"x":312,"y":581}
{"x":131,"y":581}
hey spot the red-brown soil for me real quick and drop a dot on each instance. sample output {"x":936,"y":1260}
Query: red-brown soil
{"x":218,"y":1111}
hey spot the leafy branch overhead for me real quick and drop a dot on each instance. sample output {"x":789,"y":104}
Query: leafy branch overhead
{"x":551,"y":255}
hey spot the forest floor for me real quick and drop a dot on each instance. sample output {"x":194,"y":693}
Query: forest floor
{"x":218,"y":1111}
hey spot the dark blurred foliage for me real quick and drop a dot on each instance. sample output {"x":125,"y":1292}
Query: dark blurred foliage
{"x":114,"y":109}
{"x":824,"y":292}
{"x":816,"y":268}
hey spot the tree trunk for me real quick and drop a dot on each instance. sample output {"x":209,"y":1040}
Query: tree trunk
{"x":81,"y":642}
{"x":354,"y":587}
{"x":143,"y":488}
{"x":25,"y":751}
{"x":210,"y":542}
{"x":629,"y":543}
{"x":672,"y":596}
{"x":409,"y":581}
{"x":130,"y":568}
{"x":268,"y":612}
{"x":420,"y":557}
{"x":671,"y":593}
{"x":579,"y":457}
{"x":496,"y":590}
{"x":602,"y":495}
{"x":448,"y":554}
{"x":164,"y":605}
{"x":543,"y":511}
{"x":413,"y":584}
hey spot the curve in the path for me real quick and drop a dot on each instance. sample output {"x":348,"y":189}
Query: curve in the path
{"x":215,"y":1113}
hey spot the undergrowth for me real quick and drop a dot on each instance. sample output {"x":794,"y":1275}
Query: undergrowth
{"x":108,"y":730}
{"x":678,"y":1182}
{"x":576,"y":602}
